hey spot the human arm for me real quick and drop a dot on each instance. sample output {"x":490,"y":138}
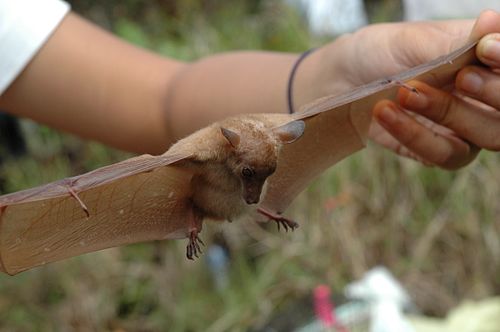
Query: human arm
{"x":90,"y":83}
{"x":382,"y":50}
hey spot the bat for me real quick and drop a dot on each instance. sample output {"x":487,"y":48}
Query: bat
{"x":253,"y":164}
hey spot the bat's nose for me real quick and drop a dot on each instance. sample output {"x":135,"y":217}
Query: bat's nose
{"x":252,"y":199}
{"x":251,"y":192}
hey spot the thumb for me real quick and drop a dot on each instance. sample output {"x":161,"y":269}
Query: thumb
{"x":488,"y":22}
{"x":487,"y":30}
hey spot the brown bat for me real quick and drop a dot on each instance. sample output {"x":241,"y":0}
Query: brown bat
{"x":249,"y":164}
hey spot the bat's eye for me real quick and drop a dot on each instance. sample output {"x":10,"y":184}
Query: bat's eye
{"x":247,"y":172}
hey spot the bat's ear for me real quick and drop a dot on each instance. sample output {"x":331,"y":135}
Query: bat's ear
{"x":232,"y":137}
{"x":290,"y":132}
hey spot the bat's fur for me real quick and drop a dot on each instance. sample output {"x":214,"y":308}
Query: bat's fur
{"x":220,"y":188}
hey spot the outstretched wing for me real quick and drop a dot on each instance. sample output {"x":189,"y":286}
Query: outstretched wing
{"x":144,"y":198}
{"x":139,"y":199}
{"x":337,"y":126}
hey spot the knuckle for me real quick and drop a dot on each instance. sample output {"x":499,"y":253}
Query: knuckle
{"x":458,"y":155}
{"x":486,"y":87}
{"x":489,"y":94}
{"x":447,"y":160}
{"x":487,"y":135}
{"x":446,"y":104}
{"x":493,"y":145}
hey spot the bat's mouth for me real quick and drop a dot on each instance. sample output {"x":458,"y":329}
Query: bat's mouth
{"x":252,"y":200}
{"x":251,"y":195}
{"x":252,"y":191}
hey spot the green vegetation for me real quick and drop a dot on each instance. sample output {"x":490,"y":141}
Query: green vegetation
{"x":438,"y":231}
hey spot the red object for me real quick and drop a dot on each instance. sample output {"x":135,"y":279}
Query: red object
{"x":324,"y":308}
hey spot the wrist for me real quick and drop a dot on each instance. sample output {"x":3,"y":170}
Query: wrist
{"x":291,"y":79}
{"x":318,"y":74}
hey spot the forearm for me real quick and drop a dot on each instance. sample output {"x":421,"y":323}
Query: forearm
{"x":90,"y":83}
{"x":228,"y":84}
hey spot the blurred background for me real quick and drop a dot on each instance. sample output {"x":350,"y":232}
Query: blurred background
{"x":438,"y":232}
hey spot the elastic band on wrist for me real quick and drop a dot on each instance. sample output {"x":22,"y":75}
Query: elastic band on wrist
{"x":292,"y":77}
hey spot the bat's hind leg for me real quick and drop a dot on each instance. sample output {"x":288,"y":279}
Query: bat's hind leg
{"x":194,"y":228}
{"x":279,"y":219}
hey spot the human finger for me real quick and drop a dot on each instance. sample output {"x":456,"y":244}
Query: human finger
{"x":481,"y":84}
{"x":446,"y":151}
{"x":488,"y":50}
{"x":476,"y":124}
{"x":382,"y":137}
{"x":487,"y":22}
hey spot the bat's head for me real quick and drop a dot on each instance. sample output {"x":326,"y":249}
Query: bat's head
{"x":255,"y":153}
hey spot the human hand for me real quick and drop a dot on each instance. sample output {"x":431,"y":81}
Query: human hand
{"x":383,"y":50}
{"x":463,"y":120}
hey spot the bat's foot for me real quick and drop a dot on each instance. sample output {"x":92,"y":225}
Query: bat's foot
{"x":279,"y":219}
{"x":193,"y":248}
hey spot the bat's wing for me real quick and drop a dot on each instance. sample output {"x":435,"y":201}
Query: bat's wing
{"x":144,"y":198}
{"x":139,"y":199}
{"x":337,"y":126}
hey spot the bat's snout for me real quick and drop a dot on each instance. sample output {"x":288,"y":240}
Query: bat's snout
{"x":252,"y":200}
{"x":252,"y":191}
{"x":251,"y":195}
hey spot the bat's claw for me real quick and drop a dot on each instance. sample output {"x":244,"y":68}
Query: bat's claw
{"x":279,"y":219}
{"x":193,"y":248}
{"x":286,"y":223}
{"x":82,"y":204}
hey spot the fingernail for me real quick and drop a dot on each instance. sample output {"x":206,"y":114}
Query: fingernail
{"x":471,"y":82}
{"x":491,"y":49}
{"x":387,"y":115}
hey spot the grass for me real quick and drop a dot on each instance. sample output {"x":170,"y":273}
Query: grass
{"x":438,"y":231}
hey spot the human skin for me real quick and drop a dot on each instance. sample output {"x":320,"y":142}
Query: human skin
{"x":382,"y":50}
{"x":88,"y":82}
{"x":461,"y":119}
